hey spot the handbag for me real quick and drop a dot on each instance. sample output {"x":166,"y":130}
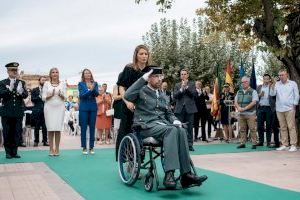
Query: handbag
{"x":110,"y":112}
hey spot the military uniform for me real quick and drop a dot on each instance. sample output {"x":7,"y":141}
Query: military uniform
{"x":12,"y":112}
{"x":154,"y":114}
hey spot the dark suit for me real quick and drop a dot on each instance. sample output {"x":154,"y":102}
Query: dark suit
{"x":267,"y":114}
{"x":185,"y":106}
{"x":201,"y":114}
{"x":12,"y":113}
{"x":38,"y":115}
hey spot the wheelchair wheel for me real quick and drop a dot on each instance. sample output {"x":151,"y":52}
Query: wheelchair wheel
{"x":129,"y":159}
{"x":148,"y":183}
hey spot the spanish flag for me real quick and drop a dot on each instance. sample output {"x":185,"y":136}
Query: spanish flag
{"x":228,"y":78}
{"x":215,"y":101}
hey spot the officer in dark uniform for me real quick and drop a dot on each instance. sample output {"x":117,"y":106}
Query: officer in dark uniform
{"x":12,"y":92}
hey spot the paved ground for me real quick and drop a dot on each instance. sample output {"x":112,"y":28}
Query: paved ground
{"x":37,"y":181}
{"x":279,"y":169}
{"x":34,"y":181}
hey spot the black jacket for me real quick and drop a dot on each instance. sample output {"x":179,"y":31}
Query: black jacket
{"x":12,"y":102}
{"x":36,"y":98}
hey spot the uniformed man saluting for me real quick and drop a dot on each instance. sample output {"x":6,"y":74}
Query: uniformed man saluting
{"x":154,"y":114}
{"x":12,"y":91}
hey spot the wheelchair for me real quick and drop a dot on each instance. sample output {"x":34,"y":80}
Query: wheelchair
{"x":132,"y":154}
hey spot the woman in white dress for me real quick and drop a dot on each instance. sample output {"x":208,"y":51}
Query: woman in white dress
{"x":54,"y":93}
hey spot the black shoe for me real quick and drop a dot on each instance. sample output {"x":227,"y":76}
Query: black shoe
{"x":8,"y":156}
{"x":191,"y":148}
{"x":46,"y":144}
{"x":16,"y":156}
{"x":241,"y":146}
{"x":273,"y":146}
{"x":253,"y":147}
{"x":190,"y":179}
{"x":169,"y":180}
{"x":196,"y":140}
{"x":36,"y":144}
{"x":260,"y":144}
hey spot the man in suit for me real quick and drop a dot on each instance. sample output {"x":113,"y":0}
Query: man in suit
{"x":153,"y":113}
{"x":184,"y":95}
{"x":38,"y":113}
{"x":200,"y":100}
{"x":12,"y":92}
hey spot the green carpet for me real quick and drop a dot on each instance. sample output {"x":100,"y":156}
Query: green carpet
{"x":96,"y":177}
{"x":226,"y":148}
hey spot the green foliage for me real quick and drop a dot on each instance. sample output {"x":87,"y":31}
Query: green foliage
{"x":176,"y":45}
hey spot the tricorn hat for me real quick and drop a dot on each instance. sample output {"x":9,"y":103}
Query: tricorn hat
{"x":12,"y":65}
{"x":156,"y":69}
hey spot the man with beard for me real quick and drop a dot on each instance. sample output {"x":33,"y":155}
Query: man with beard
{"x":38,"y":112}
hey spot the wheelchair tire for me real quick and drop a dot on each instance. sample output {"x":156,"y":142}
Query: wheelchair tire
{"x":148,"y":183}
{"x":129,"y":159}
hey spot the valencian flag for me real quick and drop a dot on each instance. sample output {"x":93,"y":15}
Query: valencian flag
{"x":253,"y":78}
{"x":215,"y":101}
{"x":228,"y":77}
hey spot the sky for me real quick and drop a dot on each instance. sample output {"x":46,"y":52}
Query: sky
{"x":75,"y":34}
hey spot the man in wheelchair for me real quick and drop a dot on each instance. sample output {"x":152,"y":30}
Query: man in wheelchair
{"x":154,"y":115}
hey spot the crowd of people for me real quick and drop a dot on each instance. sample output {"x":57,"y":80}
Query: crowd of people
{"x":271,"y":109}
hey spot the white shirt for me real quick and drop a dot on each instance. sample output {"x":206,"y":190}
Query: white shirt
{"x":208,"y":104}
{"x":287,"y":95}
{"x":264,"y":100}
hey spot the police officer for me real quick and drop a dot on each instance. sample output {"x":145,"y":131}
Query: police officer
{"x":154,"y":114}
{"x":12,"y":92}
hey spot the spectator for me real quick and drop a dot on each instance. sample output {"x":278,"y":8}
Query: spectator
{"x":69,"y":103}
{"x":226,"y":122}
{"x":245,"y":101}
{"x":287,"y":98}
{"x":88,"y":91}
{"x":54,"y":93}
{"x":1,"y":127}
{"x":38,"y":113}
{"x":117,"y":105}
{"x":265,"y":110}
{"x":103,"y":122}
{"x":200,"y":115}
{"x":208,"y":118}
{"x":167,"y":93}
{"x":27,"y":124}
{"x":184,"y":95}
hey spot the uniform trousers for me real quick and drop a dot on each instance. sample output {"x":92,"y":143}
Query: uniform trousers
{"x":175,"y":145}
{"x":11,"y":134}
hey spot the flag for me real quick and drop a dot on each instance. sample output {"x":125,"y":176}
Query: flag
{"x":215,"y":101}
{"x":228,"y":76}
{"x":253,"y":78}
{"x":242,"y":73}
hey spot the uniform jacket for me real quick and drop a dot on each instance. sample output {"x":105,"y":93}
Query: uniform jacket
{"x":149,"y":109}
{"x":186,"y":97}
{"x":12,"y":102}
{"x":87,"y":97}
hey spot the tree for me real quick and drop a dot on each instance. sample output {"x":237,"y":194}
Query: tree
{"x":176,"y":45}
{"x":274,"y":22}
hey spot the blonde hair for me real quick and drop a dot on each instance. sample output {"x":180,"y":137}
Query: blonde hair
{"x":137,"y":49}
{"x":52,"y":69}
